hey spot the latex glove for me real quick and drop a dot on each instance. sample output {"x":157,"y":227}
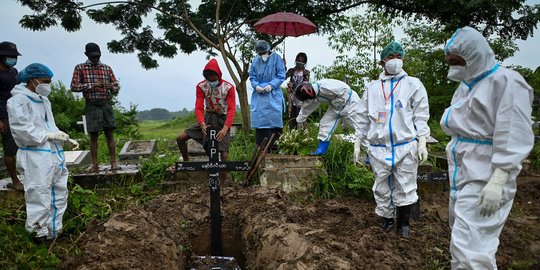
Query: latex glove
{"x":57,"y":136}
{"x":73,"y":144}
{"x":357,"y":150}
{"x":268,"y":88}
{"x":302,"y":125}
{"x":259,"y":89}
{"x":491,"y":196}
{"x":422,"y":149}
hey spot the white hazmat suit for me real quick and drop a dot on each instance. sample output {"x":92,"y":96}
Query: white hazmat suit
{"x":40,"y":159}
{"x":395,"y":112}
{"x":490,"y":123}
{"x":343,"y":103}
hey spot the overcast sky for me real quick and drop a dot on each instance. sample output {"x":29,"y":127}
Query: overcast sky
{"x":172,"y":85}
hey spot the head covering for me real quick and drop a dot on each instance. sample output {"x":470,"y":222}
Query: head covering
{"x":262,"y":46}
{"x":392,"y":48}
{"x":304,"y":91}
{"x":8,"y":49}
{"x":212,"y":67}
{"x":92,"y":49}
{"x":468,"y":43}
{"x":35,"y":70}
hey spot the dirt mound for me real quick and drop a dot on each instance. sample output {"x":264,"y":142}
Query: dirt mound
{"x":265,"y":229}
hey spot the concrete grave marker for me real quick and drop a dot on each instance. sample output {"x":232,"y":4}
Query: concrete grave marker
{"x":77,"y":158}
{"x":136,"y":149}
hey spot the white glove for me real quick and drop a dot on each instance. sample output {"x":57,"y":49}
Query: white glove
{"x":73,"y":144}
{"x":357,"y":150}
{"x":267,"y":88}
{"x":422,"y":149}
{"x":259,"y":89}
{"x":491,"y":196}
{"x":301,"y":125}
{"x":57,"y":136}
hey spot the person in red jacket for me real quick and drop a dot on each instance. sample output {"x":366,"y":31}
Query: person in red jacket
{"x":215,"y":107}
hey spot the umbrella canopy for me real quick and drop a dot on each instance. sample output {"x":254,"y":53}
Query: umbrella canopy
{"x":285,"y":24}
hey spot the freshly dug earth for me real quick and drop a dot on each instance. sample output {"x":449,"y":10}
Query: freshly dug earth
{"x":267,"y":229}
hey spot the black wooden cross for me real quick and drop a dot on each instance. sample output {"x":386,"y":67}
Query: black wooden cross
{"x":213,"y":166}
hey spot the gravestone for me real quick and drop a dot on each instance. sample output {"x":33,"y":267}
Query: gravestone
{"x":135,"y":149}
{"x":106,"y":177}
{"x":290,"y":172}
{"x":77,"y":158}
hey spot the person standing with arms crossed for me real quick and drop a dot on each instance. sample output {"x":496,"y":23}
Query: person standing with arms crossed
{"x":98,"y":84}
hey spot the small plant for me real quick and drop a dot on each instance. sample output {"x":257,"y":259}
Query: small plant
{"x":295,"y":142}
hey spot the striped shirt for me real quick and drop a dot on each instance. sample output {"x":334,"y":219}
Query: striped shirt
{"x":86,"y":75}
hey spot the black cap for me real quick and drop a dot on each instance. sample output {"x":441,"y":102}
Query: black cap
{"x":8,"y":49}
{"x":92,"y":49}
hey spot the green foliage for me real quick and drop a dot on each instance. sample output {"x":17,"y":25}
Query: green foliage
{"x":295,"y":142}
{"x":154,"y":168}
{"x":126,"y":121}
{"x":67,"y":108}
{"x":534,"y":156}
{"x":358,"y":42}
{"x":344,"y":177}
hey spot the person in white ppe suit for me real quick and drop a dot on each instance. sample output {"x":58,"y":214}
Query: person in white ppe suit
{"x":342,"y":101}
{"x":490,"y":123}
{"x":40,"y":157}
{"x":394,"y":119}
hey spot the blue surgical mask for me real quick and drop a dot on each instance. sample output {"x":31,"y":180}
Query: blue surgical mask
{"x":11,"y":61}
{"x":213,"y":84}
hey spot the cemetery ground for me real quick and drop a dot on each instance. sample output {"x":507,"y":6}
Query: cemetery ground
{"x":137,"y":225}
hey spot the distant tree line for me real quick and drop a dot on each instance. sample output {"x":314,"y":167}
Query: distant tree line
{"x":161,"y":114}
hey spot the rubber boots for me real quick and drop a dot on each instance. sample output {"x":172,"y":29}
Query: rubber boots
{"x":403,"y":216}
{"x":387,"y":224}
{"x":322,"y":148}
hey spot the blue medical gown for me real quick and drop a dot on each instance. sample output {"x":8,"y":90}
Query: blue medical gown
{"x":266,"y":108}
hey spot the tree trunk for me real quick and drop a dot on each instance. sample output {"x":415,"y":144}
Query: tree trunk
{"x":244,"y":105}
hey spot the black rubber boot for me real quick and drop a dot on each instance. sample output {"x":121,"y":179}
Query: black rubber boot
{"x":403,"y":216}
{"x":387,"y":224}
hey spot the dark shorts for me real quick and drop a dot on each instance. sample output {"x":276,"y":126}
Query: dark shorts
{"x":8,"y":143}
{"x":217,"y":121}
{"x":99,"y":116}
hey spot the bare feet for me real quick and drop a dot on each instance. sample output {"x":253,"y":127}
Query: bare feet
{"x":93,"y":169}
{"x":16,"y":185}
{"x":115,"y":167}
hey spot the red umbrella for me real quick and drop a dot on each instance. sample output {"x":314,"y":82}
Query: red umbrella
{"x":285,"y":24}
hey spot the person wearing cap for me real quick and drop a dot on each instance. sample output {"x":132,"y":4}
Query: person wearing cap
{"x":343,"y":103}
{"x":99,"y":85}
{"x":8,"y":80}
{"x":215,"y":107}
{"x":394,"y":119}
{"x":40,"y":157}
{"x":266,"y":74}
{"x":489,"y":121}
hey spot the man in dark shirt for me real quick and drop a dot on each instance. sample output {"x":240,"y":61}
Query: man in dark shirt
{"x":8,"y":80}
{"x":98,"y":84}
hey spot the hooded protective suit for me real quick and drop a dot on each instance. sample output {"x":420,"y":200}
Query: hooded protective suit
{"x":490,"y":123}
{"x":343,"y":103}
{"x":40,"y":160}
{"x":394,"y":114}
{"x":267,"y":108}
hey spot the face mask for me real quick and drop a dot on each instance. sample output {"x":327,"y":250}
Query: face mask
{"x":11,"y":61}
{"x":213,"y":84}
{"x":300,"y":64}
{"x":457,"y":73}
{"x":43,"y":89}
{"x":394,"y":66}
{"x":264,"y":57}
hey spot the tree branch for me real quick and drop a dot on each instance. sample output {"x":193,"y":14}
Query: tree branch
{"x":137,"y":4}
{"x":197,"y":30}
